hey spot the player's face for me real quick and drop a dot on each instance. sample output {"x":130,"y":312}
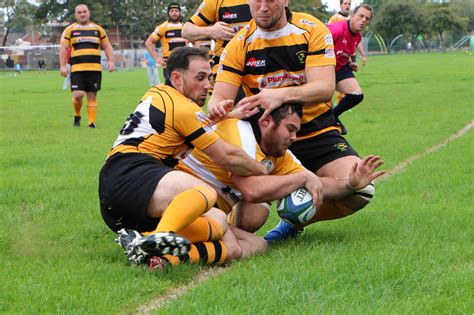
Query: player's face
{"x":269,"y":14}
{"x":345,"y":7}
{"x":197,"y":80}
{"x":277,"y":138}
{"x":82,"y":14}
{"x":174,"y":15}
{"x":360,"y":19}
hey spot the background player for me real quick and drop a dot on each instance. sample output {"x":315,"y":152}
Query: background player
{"x":169,"y":33}
{"x":85,"y":39}
{"x":347,"y":35}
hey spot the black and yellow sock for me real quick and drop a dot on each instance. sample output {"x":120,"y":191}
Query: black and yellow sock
{"x":185,"y":208}
{"x":206,"y":253}
{"x":203,"y":229}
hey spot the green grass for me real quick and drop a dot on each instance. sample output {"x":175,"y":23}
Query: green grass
{"x":409,"y":251}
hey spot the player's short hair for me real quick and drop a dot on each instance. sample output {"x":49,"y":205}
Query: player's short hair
{"x":173,"y":5}
{"x":286,"y":109}
{"x":179,"y":58}
{"x":365,"y":6}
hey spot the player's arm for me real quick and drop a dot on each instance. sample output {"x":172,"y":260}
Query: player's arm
{"x":219,"y":30}
{"x":362,"y":173}
{"x":319,"y":88}
{"x":233,"y":159}
{"x":218,"y":105}
{"x":363,"y":56}
{"x":63,"y":46}
{"x":257,"y":189}
{"x":109,"y":52}
{"x":150,"y":44}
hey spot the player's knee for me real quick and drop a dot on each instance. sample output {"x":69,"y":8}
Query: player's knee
{"x":361,"y":198}
{"x":208,"y":193}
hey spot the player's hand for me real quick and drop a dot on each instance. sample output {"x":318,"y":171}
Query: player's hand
{"x":161,"y":62}
{"x":222,"y":31}
{"x":63,"y":71}
{"x":220,"y":110}
{"x":267,"y":100}
{"x":315,"y":187}
{"x":363,"y":172}
{"x":354,"y":66}
{"x":363,"y":59}
{"x":111,"y":66}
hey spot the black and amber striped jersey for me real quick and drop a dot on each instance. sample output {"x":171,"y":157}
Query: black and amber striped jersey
{"x":256,"y":60}
{"x":236,"y":13}
{"x":338,"y":17}
{"x":85,"y":43}
{"x":165,"y":125}
{"x":170,"y":36}
{"x":241,"y":134}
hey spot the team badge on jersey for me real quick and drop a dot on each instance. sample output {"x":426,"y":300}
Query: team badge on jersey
{"x":301,"y":55}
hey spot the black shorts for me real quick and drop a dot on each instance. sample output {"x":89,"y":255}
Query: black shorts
{"x":317,"y":151}
{"x":88,"y":81}
{"x":126,"y":185}
{"x":344,"y":73}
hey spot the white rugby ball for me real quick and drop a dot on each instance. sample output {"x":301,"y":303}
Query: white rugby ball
{"x":297,"y":207}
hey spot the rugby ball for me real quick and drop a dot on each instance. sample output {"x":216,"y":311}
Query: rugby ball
{"x":297,"y":207}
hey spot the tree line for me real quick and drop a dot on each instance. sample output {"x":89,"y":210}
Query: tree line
{"x":137,"y":18}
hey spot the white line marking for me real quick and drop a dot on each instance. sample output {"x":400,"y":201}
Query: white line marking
{"x":400,"y":167}
{"x":203,"y":276}
{"x":176,"y":292}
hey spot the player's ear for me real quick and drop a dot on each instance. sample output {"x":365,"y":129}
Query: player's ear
{"x":176,"y":77}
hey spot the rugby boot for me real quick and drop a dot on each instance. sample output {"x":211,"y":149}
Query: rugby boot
{"x":77,"y":121}
{"x":282,"y":231}
{"x":126,"y":238}
{"x":163,"y":243}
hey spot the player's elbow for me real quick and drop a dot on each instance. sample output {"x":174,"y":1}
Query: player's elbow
{"x":250,"y":194}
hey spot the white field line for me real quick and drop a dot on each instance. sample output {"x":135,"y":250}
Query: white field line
{"x":400,"y":167}
{"x":203,"y":276}
{"x":175,"y":293}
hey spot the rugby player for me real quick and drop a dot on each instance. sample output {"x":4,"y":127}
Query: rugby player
{"x":84,"y":39}
{"x":169,"y":33}
{"x":142,"y":194}
{"x":347,"y":35}
{"x":286,"y":57}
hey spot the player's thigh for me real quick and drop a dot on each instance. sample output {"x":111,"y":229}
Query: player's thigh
{"x":171,"y":185}
{"x":349,"y":86}
{"x":339,"y":167}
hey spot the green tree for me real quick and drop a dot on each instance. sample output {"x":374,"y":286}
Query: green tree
{"x":18,"y":16}
{"x":394,"y":19}
{"x":313,"y":7}
{"x":443,"y":18}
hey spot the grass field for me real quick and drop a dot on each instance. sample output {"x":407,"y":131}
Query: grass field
{"x":410,"y":251}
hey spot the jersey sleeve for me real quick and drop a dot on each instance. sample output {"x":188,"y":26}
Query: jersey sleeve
{"x":103,"y":36}
{"x":157,"y":33}
{"x":66,"y":36}
{"x":287,"y":164}
{"x":194,"y":125}
{"x":231,"y":65}
{"x":321,"y":46}
{"x":206,"y":14}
